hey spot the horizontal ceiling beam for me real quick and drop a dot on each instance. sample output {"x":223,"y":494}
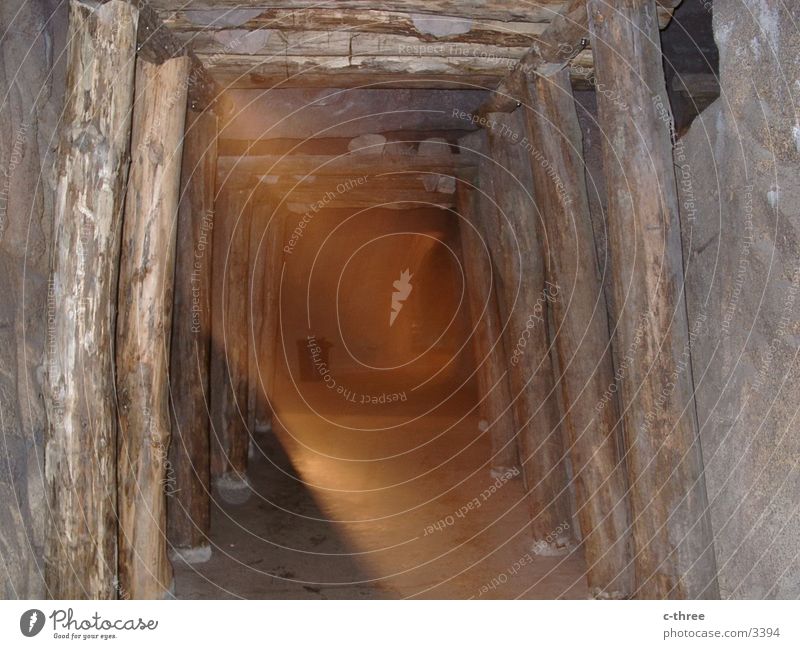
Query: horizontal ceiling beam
{"x":286,"y":25}
{"x":267,"y":44}
{"x":240,"y":10}
{"x":237,"y":71}
{"x":327,"y":113}
{"x":405,"y":191}
{"x":320,"y":165}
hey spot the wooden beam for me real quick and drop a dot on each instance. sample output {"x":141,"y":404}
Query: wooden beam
{"x":157,"y":44}
{"x":229,"y":361}
{"x":312,"y":113}
{"x":258,"y":294}
{"x":367,"y":198}
{"x":496,"y":406}
{"x":343,"y":166}
{"x":80,"y":460}
{"x":144,"y":324}
{"x":673,"y":542}
{"x":275,"y":23}
{"x":399,"y":143}
{"x":561,"y":42}
{"x":565,"y":39}
{"x":243,"y":10}
{"x":275,"y":242}
{"x":290,"y":70}
{"x":554,"y":145}
{"x":188,"y":509}
{"x":524,"y":305}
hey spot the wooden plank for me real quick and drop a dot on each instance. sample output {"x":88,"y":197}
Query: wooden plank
{"x":516,"y":253}
{"x":229,"y":364}
{"x":313,"y":113}
{"x":496,"y":407}
{"x":341,"y":166}
{"x":269,"y":336}
{"x":243,"y":10}
{"x":404,"y":141}
{"x":188,"y":509}
{"x":80,"y":459}
{"x":673,"y":542}
{"x":581,"y":339}
{"x":156,"y":44}
{"x":301,"y":200}
{"x":299,"y":70}
{"x":144,"y":324}
{"x":258,"y":294}
{"x":565,"y":39}
{"x":265,"y":257}
{"x":235,"y":77}
{"x":189,"y":25}
{"x":267,"y":42}
{"x":242,"y":71}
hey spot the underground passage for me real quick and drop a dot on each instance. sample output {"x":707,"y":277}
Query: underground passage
{"x":389,"y":300}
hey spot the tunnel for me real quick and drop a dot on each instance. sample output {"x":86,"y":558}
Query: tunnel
{"x":354,"y":449}
{"x":417,"y":299}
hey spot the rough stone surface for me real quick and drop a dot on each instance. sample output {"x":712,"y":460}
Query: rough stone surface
{"x":738,"y":172}
{"x":31,"y":94}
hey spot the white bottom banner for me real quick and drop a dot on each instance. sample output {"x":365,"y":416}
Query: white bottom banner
{"x":401,"y":623}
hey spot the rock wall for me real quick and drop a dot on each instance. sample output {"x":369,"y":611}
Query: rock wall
{"x":31,"y":94}
{"x":738,"y":172}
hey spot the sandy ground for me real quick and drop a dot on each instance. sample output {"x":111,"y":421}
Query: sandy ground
{"x":351,"y":500}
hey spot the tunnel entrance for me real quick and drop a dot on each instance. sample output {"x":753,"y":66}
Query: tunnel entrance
{"x":354,"y":454}
{"x":374,"y":303}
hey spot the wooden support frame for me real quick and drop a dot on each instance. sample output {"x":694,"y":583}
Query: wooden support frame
{"x":524,"y":300}
{"x":259,"y":274}
{"x":80,"y":461}
{"x":581,"y":337}
{"x":230,"y":437}
{"x":188,"y":510}
{"x":560,"y":43}
{"x":565,"y":37}
{"x":270,"y":333}
{"x":673,"y":542}
{"x":144,"y":325}
{"x":495,"y":394}
{"x":157,"y":44}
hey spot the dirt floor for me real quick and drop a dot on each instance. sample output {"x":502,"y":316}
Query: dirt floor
{"x":351,"y":500}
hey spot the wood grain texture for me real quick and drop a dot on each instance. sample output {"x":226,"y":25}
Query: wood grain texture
{"x":496,"y":407}
{"x":582,"y":341}
{"x":229,"y":348}
{"x":80,"y":460}
{"x":516,"y":253}
{"x":144,"y":325}
{"x":188,"y":507}
{"x":479,"y":9}
{"x":673,"y":544}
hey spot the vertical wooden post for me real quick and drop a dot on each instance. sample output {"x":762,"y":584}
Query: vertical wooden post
{"x":524,"y":299}
{"x":188,"y":480}
{"x":673,"y":545}
{"x":270,"y":325}
{"x":582,"y":340}
{"x":256,"y":310}
{"x":495,"y":395}
{"x":80,"y":461}
{"x":229,"y":364}
{"x":144,"y":324}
